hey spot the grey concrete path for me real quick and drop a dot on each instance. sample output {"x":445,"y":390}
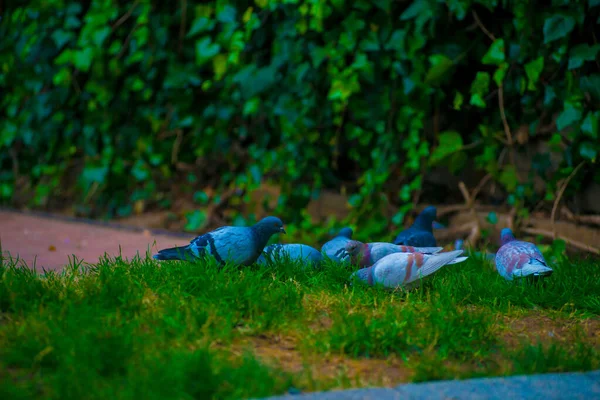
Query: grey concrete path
{"x":563,"y":386}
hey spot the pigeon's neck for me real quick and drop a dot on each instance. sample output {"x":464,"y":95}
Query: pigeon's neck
{"x":261,"y":236}
{"x":366,"y":254}
{"x":507,"y":238}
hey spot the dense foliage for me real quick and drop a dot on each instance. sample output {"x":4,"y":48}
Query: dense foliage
{"x":110,"y":103}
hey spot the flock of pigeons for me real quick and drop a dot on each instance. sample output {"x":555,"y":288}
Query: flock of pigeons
{"x":413,"y":255}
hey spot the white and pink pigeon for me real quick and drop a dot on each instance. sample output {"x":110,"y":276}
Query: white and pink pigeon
{"x":367,"y":254}
{"x":405,"y":270}
{"x":519,"y":259}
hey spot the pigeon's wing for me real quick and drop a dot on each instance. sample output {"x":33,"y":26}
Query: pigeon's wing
{"x":234,"y":244}
{"x":390,"y":270}
{"x":335,"y":248}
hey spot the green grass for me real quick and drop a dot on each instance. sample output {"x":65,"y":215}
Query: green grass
{"x":141,"y":329}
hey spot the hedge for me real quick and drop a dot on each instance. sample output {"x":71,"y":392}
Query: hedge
{"x":106,"y":104}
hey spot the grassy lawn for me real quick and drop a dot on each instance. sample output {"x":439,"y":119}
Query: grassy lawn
{"x":146,"y":330}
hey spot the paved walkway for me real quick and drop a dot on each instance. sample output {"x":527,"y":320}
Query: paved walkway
{"x":50,"y":240}
{"x":564,"y":386}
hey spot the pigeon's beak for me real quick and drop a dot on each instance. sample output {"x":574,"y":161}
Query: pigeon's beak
{"x":282,"y":230}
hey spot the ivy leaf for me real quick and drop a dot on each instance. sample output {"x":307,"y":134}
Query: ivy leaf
{"x":557,"y":26}
{"x":581,"y":53}
{"x":417,"y":8}
{"x":588,"y":150}
{"x":589,"y":126}
{"x":479,"y":89}
{"x":61,"y":37}
{"x":534,"y":69}
{"x":205,"y":50}
{"x":495,"y":54}
{"x":440,"y":65}
{"x":450,"y":142}
{"x":500,"y":73}
{"x":199,"y":25}
{"x":82,"y":59}
{"x":458,"y":100}
{"x":571,"y":114}
{"x":508,"y":178}
{"x":195,"y":220}
{"x":591,"y":85}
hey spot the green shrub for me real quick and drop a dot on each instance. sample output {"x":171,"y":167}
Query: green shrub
{"x":110,"y":103}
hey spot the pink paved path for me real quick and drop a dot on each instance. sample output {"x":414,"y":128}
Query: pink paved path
{"x":54,"y":240}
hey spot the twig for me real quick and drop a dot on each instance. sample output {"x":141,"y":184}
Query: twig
{"x":470,"y":200}
{"x":559,"y":196}
{"x":125,"y":16}
{"x":482,"y":27}
{"x":176,"y":144}
{"x":503,"y":115}
{"x":586,"y":219}
{"x":480,"y":186}
{"x":550,"y":235}
{"x":127,"y":40}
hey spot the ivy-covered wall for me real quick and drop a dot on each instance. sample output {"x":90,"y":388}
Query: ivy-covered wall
{"x":108,"y":103}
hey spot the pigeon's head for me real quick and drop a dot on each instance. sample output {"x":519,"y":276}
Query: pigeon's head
{"x":345,"y":232}
{"x":426,"y":218}
{"x":353,"y":248}
{"x":506,"y":235}
{"x":269,"y":226}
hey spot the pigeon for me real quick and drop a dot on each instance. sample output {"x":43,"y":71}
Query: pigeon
{"x":420,"y":233}
{"x":293,"y":252}
{"x":367,"y":254}
{"x":518,"y":259}
{"x":237,"y":244}
{"x":334,"y":249}
{"x":405,"y":269}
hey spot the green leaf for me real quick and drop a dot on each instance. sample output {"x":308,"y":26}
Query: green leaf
{"x":500,"y":73}
{"x":495,"y":54}
{"x":195,"y":220}
{"x":589,"y":125}
{"x":479,"y":89}
{"x":82,"y":59}
{"x":415,"y":9}
{"x":588,"y":150}
{"x":534,"y":69}
{"x":508,"y":178}
{"x":568,"y":117}
{"x":450,"y":142}
{"x":591,"y":85}
{"x":61,"y":37}
{"x":593,"y":3}
{"x":100,"y":35}
{"x":581,"y":53}
{"x":492,"y":218}
{"x":557,"y":26}
{"x":199,"y":25}
{"x":440,"y":65}
{"x":458,"y":100}
{"x":205,"y":50}
{"x":251,"y":106}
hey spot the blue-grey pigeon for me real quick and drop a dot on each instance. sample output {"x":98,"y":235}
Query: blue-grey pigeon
{"x":237,"y":244}
{"x":406,"y":269}
{"x":335,"y":248}
{"x":292,"y":252}
{"x":519,"y":259}
{"x":420,"y":234}
{"x":367,"y":254}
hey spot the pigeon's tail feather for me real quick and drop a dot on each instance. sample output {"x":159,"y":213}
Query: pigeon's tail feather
{"x":458,"y":260}
{"x":424,"y":250}
{"x":437,"y":261}
{"x":534,"y":267}
{"x":175,"y":253}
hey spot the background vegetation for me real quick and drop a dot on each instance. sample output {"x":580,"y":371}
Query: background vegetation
{"x":122,"y":106}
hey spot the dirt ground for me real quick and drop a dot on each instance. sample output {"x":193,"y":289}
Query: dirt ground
{"x":49,"y":242}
